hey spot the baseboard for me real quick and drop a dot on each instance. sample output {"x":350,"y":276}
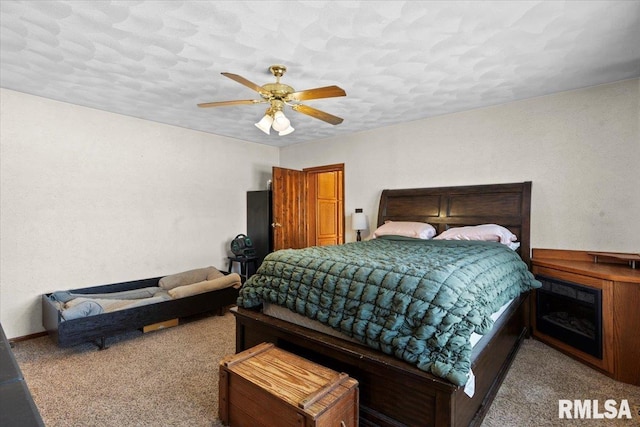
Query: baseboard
{"x":29,"y":337}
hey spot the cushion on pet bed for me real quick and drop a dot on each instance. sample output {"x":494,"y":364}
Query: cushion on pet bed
{"x":189,"y":277}
{"x":232,"y":279}
{"x":82,"y":307}
{"x":66,"y":296}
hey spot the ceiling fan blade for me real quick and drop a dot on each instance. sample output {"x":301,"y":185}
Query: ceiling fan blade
{"x":317,"y":93}
{"x":247,"y":83}
{"x":309,"y":111}
{"x":227,"y":103}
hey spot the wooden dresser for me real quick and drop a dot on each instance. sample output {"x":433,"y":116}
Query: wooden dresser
{"x":620,"y":289}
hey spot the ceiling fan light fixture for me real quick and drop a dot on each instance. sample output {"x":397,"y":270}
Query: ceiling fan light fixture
{"x":287,"y":131}
{"x":278,"y":95}
{"x":265,"y":123}
{"x":280,"y":122}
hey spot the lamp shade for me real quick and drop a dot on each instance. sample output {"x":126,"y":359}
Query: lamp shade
{"x":358,"y":221}
{"x":280,"y":122}
{"x":287,"y":131}
{"x":265,"y":123}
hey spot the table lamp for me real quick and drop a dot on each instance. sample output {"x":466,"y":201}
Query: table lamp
{"x":358,"y":223}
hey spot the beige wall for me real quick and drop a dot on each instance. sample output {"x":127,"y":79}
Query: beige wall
{"x":581,"y":149}
{"x":89,"y":197}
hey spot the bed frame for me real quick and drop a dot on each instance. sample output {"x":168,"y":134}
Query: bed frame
{"x":393,"y":392}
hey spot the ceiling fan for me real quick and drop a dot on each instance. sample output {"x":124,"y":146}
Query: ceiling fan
{"x":278,"y":95}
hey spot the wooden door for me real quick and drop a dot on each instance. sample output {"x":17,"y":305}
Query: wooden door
{"x":289,"y":209}
{"x":325,"y":205}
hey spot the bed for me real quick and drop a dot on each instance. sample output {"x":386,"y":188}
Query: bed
{"x":394,"y":392}
{"x":134,"y":305}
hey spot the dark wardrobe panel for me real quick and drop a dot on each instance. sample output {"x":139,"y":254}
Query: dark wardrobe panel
{"x":259,"y":222}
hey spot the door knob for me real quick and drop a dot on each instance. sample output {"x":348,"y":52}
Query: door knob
{"x":276,"y":224}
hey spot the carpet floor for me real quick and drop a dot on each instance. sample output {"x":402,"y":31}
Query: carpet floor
{"x":170,"y":378}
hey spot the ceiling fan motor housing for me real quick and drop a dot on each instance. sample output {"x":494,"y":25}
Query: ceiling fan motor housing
{"x":278,"y":90}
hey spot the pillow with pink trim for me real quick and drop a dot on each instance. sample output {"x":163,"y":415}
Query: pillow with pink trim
{"x":486,"y":232}
{"x":417,"y":230}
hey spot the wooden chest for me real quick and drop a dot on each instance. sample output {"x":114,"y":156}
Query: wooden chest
{"x":267,"y":386}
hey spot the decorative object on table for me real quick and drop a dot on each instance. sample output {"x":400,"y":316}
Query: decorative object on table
{"x":358,"y":223}
{"x":242,"y":246}
{"x":630,"y":259}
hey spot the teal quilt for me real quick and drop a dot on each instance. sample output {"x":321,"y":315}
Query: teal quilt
{"x":419,"y":300}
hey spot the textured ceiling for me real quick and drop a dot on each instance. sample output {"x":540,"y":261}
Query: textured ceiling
{"x":397,"y":60}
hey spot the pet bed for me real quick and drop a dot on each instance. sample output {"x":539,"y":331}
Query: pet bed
{"x":92,"y":314}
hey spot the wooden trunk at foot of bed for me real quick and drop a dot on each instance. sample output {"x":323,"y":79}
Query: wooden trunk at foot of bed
{"x":393,"y":392}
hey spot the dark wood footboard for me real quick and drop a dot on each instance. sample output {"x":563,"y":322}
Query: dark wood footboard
{"x":392,"y":392}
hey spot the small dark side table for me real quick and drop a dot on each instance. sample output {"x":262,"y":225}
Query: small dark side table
{"x":244,"y":262}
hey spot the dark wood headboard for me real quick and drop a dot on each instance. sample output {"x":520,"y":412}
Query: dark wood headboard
{"x":508,"y":205}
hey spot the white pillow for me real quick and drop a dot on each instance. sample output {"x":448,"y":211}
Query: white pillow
{"x":418,"y":230}
{"x":486,"y":232}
